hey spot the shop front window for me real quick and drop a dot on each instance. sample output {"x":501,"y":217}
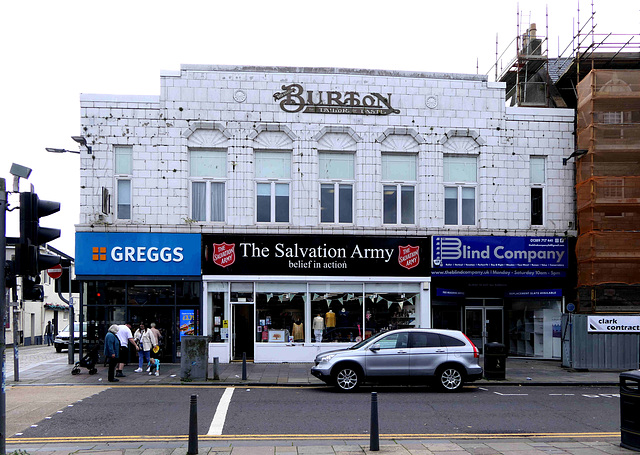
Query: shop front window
{"x":215,"y":301}
{"x":280,"y":315}
{"x":388,"y":311}
{"x":336,"y":312}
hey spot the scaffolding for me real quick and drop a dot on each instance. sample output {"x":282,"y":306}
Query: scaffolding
{"x":608,"y":178}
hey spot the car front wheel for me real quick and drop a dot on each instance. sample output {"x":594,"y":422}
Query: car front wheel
{"x":450,"y":379}
{"x":347,"y":378}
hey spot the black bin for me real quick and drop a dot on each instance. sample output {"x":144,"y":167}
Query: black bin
{"x":630,"y":410}
{"x":495,"y":361}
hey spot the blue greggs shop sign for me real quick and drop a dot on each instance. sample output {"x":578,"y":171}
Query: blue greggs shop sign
{"x":499,"y":256}
{"x":139,"y":254}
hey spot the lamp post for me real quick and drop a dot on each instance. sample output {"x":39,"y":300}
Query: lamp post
{"x":72,"y":318}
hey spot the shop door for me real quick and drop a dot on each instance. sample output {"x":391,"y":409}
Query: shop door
{"x":484,"y":325}
{"x":242,"y":335}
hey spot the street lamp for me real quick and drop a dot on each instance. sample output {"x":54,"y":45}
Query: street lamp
{"x":54,"y":150}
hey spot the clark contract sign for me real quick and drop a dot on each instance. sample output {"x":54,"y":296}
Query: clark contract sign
{"x":613,"y":324}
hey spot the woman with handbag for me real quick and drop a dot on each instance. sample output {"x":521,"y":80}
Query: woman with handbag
{"x":146,"y":341}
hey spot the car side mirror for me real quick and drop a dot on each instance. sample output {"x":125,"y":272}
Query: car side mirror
{"x":375,"y":347}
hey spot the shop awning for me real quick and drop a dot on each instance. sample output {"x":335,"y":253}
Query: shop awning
{"x":56,"y":306}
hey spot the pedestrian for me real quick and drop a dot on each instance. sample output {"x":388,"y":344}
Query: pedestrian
{"x":146,"y":341}
{"x":112,"y":351}
{"x":154,"y":366}
{"x":48,"y":333}
{"x":125,"y":337}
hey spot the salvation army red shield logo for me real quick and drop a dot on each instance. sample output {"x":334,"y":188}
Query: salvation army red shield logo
{"x":409,"y":256}
{"x":224,"y":254}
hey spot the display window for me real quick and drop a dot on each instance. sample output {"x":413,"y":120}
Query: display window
{"x":336,"y":312}
{"x":280,"y":315}
{"x":387,"y":311}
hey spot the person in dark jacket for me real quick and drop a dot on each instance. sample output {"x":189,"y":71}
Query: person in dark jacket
{"x":111,"y":350}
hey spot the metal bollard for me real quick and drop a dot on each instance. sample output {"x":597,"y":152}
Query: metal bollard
{"x":374,"y":434}
{"x":244,"y":366}
{"x":193,"y":426}
{"x":216,"y":368}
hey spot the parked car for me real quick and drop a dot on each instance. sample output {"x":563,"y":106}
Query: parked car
{"x":61,"y":340}
{"x":444,"y":357}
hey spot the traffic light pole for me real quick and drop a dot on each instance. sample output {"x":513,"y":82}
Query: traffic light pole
{"x":3,"y":312}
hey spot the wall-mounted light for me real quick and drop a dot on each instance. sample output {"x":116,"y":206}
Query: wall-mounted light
{"x":83,"y":141}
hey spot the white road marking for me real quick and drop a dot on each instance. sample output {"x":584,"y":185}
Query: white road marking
{"x":511,"y":394}
{"x":561,"y":394}
{"x":221,"y":413}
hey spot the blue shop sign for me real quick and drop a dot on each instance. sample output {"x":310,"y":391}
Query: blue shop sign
{"x":138,"y":254}
{"x":533,"y":293}
{"x":491,"y":252}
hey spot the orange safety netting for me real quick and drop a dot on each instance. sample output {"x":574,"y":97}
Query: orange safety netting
{"x":608,"y":178}
{"x":608,"y":257}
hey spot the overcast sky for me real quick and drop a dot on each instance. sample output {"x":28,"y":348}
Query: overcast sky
{"x":54,"y":51}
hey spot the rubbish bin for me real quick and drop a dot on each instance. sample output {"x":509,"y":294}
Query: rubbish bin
{"x":630,"y":410}
{"x":495,"y":361}
{"x":193,"y":357}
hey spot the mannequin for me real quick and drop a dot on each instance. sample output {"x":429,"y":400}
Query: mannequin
{"x":330,"y":318}
{"x":343,"y":318}
{"x":298,"y":331}
{"x":318,"y":327}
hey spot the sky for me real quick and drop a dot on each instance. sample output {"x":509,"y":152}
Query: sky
{"x":54,"y":51}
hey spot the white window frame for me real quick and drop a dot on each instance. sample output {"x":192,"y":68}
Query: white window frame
{"x":123,"y":177}
{"x":208,"y":181}
{"x":399,"y":184}
{"x":460,"y":186}
{"x":538,"y":184}
{"x":273,"y":182}
{"x":336,"y":182}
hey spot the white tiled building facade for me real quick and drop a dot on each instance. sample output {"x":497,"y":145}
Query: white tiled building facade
{"x":434,"y":143}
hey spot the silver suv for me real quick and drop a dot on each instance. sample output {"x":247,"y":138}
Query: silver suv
{"x":446,"y":357}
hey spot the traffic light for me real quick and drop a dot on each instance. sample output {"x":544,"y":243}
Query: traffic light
{"x":32,"y":289}
{"x":29,"y":260}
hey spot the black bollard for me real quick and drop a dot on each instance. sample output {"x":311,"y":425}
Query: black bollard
{"x":374,"y":434}
{"x":193,"y":426}
{"x":244,"y":366}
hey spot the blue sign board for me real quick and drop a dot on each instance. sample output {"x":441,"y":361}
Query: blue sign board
{"x":493,"y":252}
{"x":441,"y":292}
{"x":541,"y":293}
{"x":137,"y":254}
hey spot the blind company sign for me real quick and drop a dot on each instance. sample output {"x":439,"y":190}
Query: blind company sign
{"x":294,"y":98}
{"x":314,"y":255}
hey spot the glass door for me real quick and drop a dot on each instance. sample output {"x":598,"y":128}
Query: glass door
{"x":242,"y":330}
{"x":484,"y":325}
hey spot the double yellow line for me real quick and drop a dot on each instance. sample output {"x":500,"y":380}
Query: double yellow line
{"x":303,"y":437}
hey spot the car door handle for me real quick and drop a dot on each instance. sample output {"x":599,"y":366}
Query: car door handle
{"x":440,"y":350}
{"x":402,"y":352}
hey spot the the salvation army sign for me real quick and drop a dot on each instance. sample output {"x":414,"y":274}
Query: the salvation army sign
{"x":224,"y":254}
{"x":314,"y":255}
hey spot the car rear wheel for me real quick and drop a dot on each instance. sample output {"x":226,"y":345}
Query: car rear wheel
{"x":347,"y":378}
{"x":450,"y":379}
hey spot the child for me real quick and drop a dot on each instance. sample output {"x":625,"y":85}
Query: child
{"x":154,"y":366}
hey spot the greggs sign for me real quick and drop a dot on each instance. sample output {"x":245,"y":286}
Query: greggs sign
{"x":139,"y":254}
{"x":314,"y":255}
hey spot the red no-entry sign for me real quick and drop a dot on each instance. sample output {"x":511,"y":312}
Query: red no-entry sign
{"x":55,"y":272}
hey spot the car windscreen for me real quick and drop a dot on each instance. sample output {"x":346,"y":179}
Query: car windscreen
{"x":367,"y":341}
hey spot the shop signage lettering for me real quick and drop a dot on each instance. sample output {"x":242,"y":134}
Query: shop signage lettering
{"x":313,"y":255}
{"x":611,"y":324}
{"x":500,"y":252}
{"x":142,"y":254}
{"x":294,"y":98}
{"x":137,"y":254}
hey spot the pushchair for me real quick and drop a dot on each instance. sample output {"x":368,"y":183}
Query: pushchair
{"x":88,"y":361}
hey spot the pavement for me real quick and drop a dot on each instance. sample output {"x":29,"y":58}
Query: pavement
{"x":41,"y":367}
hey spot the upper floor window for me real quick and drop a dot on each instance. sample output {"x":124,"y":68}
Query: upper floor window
{"x":336,"y":187}
{"x":460,"y":184}
{"x":273,"y":174}
{"x":208,"y":173}
{"x":123,"y":174}
{"x":537,"y":180}
{"x":399,"y":176}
